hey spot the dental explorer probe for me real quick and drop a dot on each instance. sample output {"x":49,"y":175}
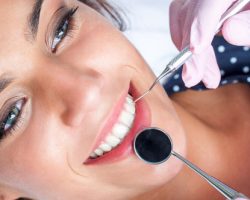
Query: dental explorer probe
{"x":186,"y":53}
{"x":154,"y":146}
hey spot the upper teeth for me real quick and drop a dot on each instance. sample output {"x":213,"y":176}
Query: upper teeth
{"x":119,"y":130}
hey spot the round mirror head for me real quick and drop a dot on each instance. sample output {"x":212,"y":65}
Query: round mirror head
{"x":153,"y":146}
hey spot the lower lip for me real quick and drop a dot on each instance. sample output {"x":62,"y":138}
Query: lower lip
{"x":125,"y":149}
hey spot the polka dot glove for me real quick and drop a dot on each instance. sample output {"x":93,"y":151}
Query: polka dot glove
{"x":194,"y":23}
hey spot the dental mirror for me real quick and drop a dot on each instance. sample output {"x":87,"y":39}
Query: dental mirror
{"x":154,"y":146}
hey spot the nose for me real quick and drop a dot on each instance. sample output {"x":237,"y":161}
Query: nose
{"x":74,"y":93}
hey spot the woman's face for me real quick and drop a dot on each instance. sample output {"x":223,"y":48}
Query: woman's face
{"x":65,"y":80}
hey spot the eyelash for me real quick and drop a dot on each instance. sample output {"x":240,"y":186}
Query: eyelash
{"x":15,"y":108}
{"x":66,"y":20}
{"x":64,"y":28}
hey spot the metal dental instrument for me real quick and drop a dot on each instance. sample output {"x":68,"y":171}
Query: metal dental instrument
{"x":154,"y":146}
{"x":186,"y":53}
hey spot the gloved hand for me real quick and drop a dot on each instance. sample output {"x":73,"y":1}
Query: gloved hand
{"x":194,"y":23}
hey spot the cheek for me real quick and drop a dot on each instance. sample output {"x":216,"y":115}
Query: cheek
{"x":36,"y":161}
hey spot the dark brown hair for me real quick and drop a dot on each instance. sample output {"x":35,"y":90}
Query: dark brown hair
{"x":114,"y":14}
{"x":107,"y":10}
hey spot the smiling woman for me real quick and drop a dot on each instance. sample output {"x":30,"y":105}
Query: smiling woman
{"x":101,"y":6}
{"x":68,"y":119}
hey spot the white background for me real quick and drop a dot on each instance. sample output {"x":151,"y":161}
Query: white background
{"x":148,"y":30}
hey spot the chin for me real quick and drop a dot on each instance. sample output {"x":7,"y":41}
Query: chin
{"x":165,"y":117}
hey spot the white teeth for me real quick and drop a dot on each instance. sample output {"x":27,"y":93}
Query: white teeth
{"x":93,"y":155}
{"x":119,"y":130}
{"x":105,"y":147}
{"x":126,"y":118}
{"x":130,"y":108}
{"x":129,"y":99}
{"x":112,"y":140}
{"x":99,"y":152}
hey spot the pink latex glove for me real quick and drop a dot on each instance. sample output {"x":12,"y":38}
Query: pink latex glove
{"x":194,"y":23}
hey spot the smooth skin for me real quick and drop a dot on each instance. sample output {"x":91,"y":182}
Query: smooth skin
{"x":68,"y":96}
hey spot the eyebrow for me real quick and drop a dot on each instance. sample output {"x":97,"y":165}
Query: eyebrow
{"x":5,"y":82}
{"x":34,"y":17}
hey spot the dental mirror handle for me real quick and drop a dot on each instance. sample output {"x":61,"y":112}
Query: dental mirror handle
{"x":186,"y":53}
{"x":225,"y":190}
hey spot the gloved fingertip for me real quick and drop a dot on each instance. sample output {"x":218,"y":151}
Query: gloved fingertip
{"x":188,"y":82}
{"x":212,"y":80}
{"x":211,"y":84}
{"x":236,"y":30}
{"x":189,"y":76}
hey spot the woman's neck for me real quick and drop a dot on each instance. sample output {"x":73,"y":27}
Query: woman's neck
{"x":210,"y":119}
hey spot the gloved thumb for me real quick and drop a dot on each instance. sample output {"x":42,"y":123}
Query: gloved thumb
{"x":236,"y":30}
